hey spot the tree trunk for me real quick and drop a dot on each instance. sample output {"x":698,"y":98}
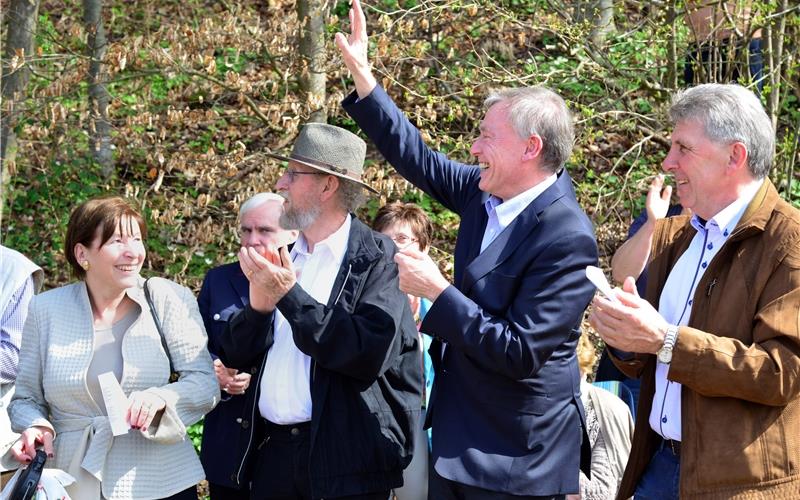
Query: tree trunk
{"x":598,"y":13}
{"x":672,"y":46}
{"x":19,"y":48}
{"x":311,"y":15}
{"x":99,"y":125}
{"x":775,"y":32}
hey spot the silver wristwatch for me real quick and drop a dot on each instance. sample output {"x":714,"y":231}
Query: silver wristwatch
{"x":665,"y":353}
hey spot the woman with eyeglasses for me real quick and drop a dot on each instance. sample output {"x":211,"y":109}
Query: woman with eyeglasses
{"x":82,"y":338}
{"x":409,"y":227}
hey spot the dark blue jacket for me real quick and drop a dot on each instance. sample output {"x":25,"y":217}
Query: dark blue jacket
{"x":505,"y":407}
{"x":366,"y":379}
{"x":224,"y":292}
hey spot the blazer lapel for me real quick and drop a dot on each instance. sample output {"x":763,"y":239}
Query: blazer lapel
{"x":514,"y":234}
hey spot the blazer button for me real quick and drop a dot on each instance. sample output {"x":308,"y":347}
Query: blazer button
{"x":233,"y":477}
{"x":245,"y":424}
{"x":253,"y":370}
{"x":216,"y":317}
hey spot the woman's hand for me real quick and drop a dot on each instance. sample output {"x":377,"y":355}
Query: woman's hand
{"x":143,"y":408}
{"x":25,"y":448}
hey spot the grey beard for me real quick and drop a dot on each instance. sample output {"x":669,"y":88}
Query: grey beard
{"x":294,"y":219}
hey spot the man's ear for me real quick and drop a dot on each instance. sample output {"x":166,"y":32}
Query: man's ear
{"x":533,"y":148}
{"x":738,"y":156}
{"x":332,"y":183}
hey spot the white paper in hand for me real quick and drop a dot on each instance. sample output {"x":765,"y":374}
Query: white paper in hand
{"x":116,"y":403}
{"x":598,"y":279}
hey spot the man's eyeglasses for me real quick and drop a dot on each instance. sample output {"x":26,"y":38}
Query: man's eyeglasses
{"x":294,"y":173}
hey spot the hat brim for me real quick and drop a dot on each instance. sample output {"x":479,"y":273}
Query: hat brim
{"x":323,"y":169}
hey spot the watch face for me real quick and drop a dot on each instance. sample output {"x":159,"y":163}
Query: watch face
{"x":665,"y":355}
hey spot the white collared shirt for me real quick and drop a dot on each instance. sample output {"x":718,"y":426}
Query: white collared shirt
{"x":286,"y":383}
{"x":502,"y":213}
{"x":675,"y":302}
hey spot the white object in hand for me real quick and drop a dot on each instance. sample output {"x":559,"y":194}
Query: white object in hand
{"x":116,"y":403}
{"x":598,"y":279}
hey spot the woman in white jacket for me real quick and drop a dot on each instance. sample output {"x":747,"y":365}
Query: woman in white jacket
{"x":101,"y":324}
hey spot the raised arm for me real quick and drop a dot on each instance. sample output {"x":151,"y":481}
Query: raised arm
{"x":630,"y":259}
{"x":354,"y":51}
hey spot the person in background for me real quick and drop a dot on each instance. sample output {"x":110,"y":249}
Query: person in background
{"x":329,"y":338}
{"x":103,"y":324}
{"x":409,"y":227}
{"x":726,"y":48}
{"x":630,"y":259}
{"x":225,"y":291}
{"x":717,"y":342}
{"x":610,"y":428}
{"x":505,"y":406}
{"x":20,"y":280}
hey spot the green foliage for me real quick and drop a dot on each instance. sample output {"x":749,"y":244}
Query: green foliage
{"x":195,"y":432}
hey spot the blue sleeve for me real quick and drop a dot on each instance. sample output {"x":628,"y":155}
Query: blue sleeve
{"x":451,"y":183}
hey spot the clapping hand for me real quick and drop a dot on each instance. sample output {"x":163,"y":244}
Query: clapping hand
{"x":230,"y":380}
{"x":271,"y":276}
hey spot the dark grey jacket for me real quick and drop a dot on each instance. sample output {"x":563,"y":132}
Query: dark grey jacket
{"x":366,"y":378}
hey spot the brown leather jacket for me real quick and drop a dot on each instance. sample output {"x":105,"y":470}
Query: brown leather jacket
{"x":738,"y":361}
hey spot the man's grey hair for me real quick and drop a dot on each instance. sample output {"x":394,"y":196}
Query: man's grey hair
{"x":539,"y":111}
{"x":257,"y":200}
{"x":351,"y":195}
{"x":729,"y":113}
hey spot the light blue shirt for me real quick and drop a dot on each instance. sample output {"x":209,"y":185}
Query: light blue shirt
{"x":502,"y":213}
{"x":675,"y":302}
{"x":12,"y":319}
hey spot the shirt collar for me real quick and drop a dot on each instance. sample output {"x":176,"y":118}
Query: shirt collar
{"x":727,"y":218}
{"x":335,"y":244}
{"x":508,"y":210}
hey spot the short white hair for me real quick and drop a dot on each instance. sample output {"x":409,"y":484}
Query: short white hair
{"x":257,"y":200}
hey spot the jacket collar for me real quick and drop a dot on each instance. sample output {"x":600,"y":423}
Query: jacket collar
{"x":514,"y":234}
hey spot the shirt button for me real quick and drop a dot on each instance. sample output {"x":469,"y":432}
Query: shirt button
{"x":705,"y":265}
{"x":690,"y":301}
{"x":216,"y":317}
{"x":664,"y":419}
{"x":710,"y":246}
{"x":725,"y":233}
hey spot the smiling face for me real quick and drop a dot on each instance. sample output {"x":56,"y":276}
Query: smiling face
{"x":500,"y":152}
{"x":703,"y":179}
{"x":114,"y":264}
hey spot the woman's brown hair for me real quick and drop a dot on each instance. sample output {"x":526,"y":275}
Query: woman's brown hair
{"x":411,"y":214}
{"x":103,"y":215}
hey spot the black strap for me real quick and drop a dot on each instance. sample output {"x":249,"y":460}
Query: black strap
{"x":158,"y":326}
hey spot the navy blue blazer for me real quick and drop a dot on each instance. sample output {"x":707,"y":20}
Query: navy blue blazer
{"x":505,"y":406}
{"x":225,"y":291}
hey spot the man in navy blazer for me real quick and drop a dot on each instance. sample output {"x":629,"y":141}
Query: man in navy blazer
{"x":505,"y":405}
{"x":225,"y":291}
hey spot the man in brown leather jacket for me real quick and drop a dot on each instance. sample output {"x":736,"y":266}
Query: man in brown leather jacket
{"x":718,"y":350}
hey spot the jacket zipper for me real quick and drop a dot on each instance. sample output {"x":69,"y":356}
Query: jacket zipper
{"x":252,"y":423}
